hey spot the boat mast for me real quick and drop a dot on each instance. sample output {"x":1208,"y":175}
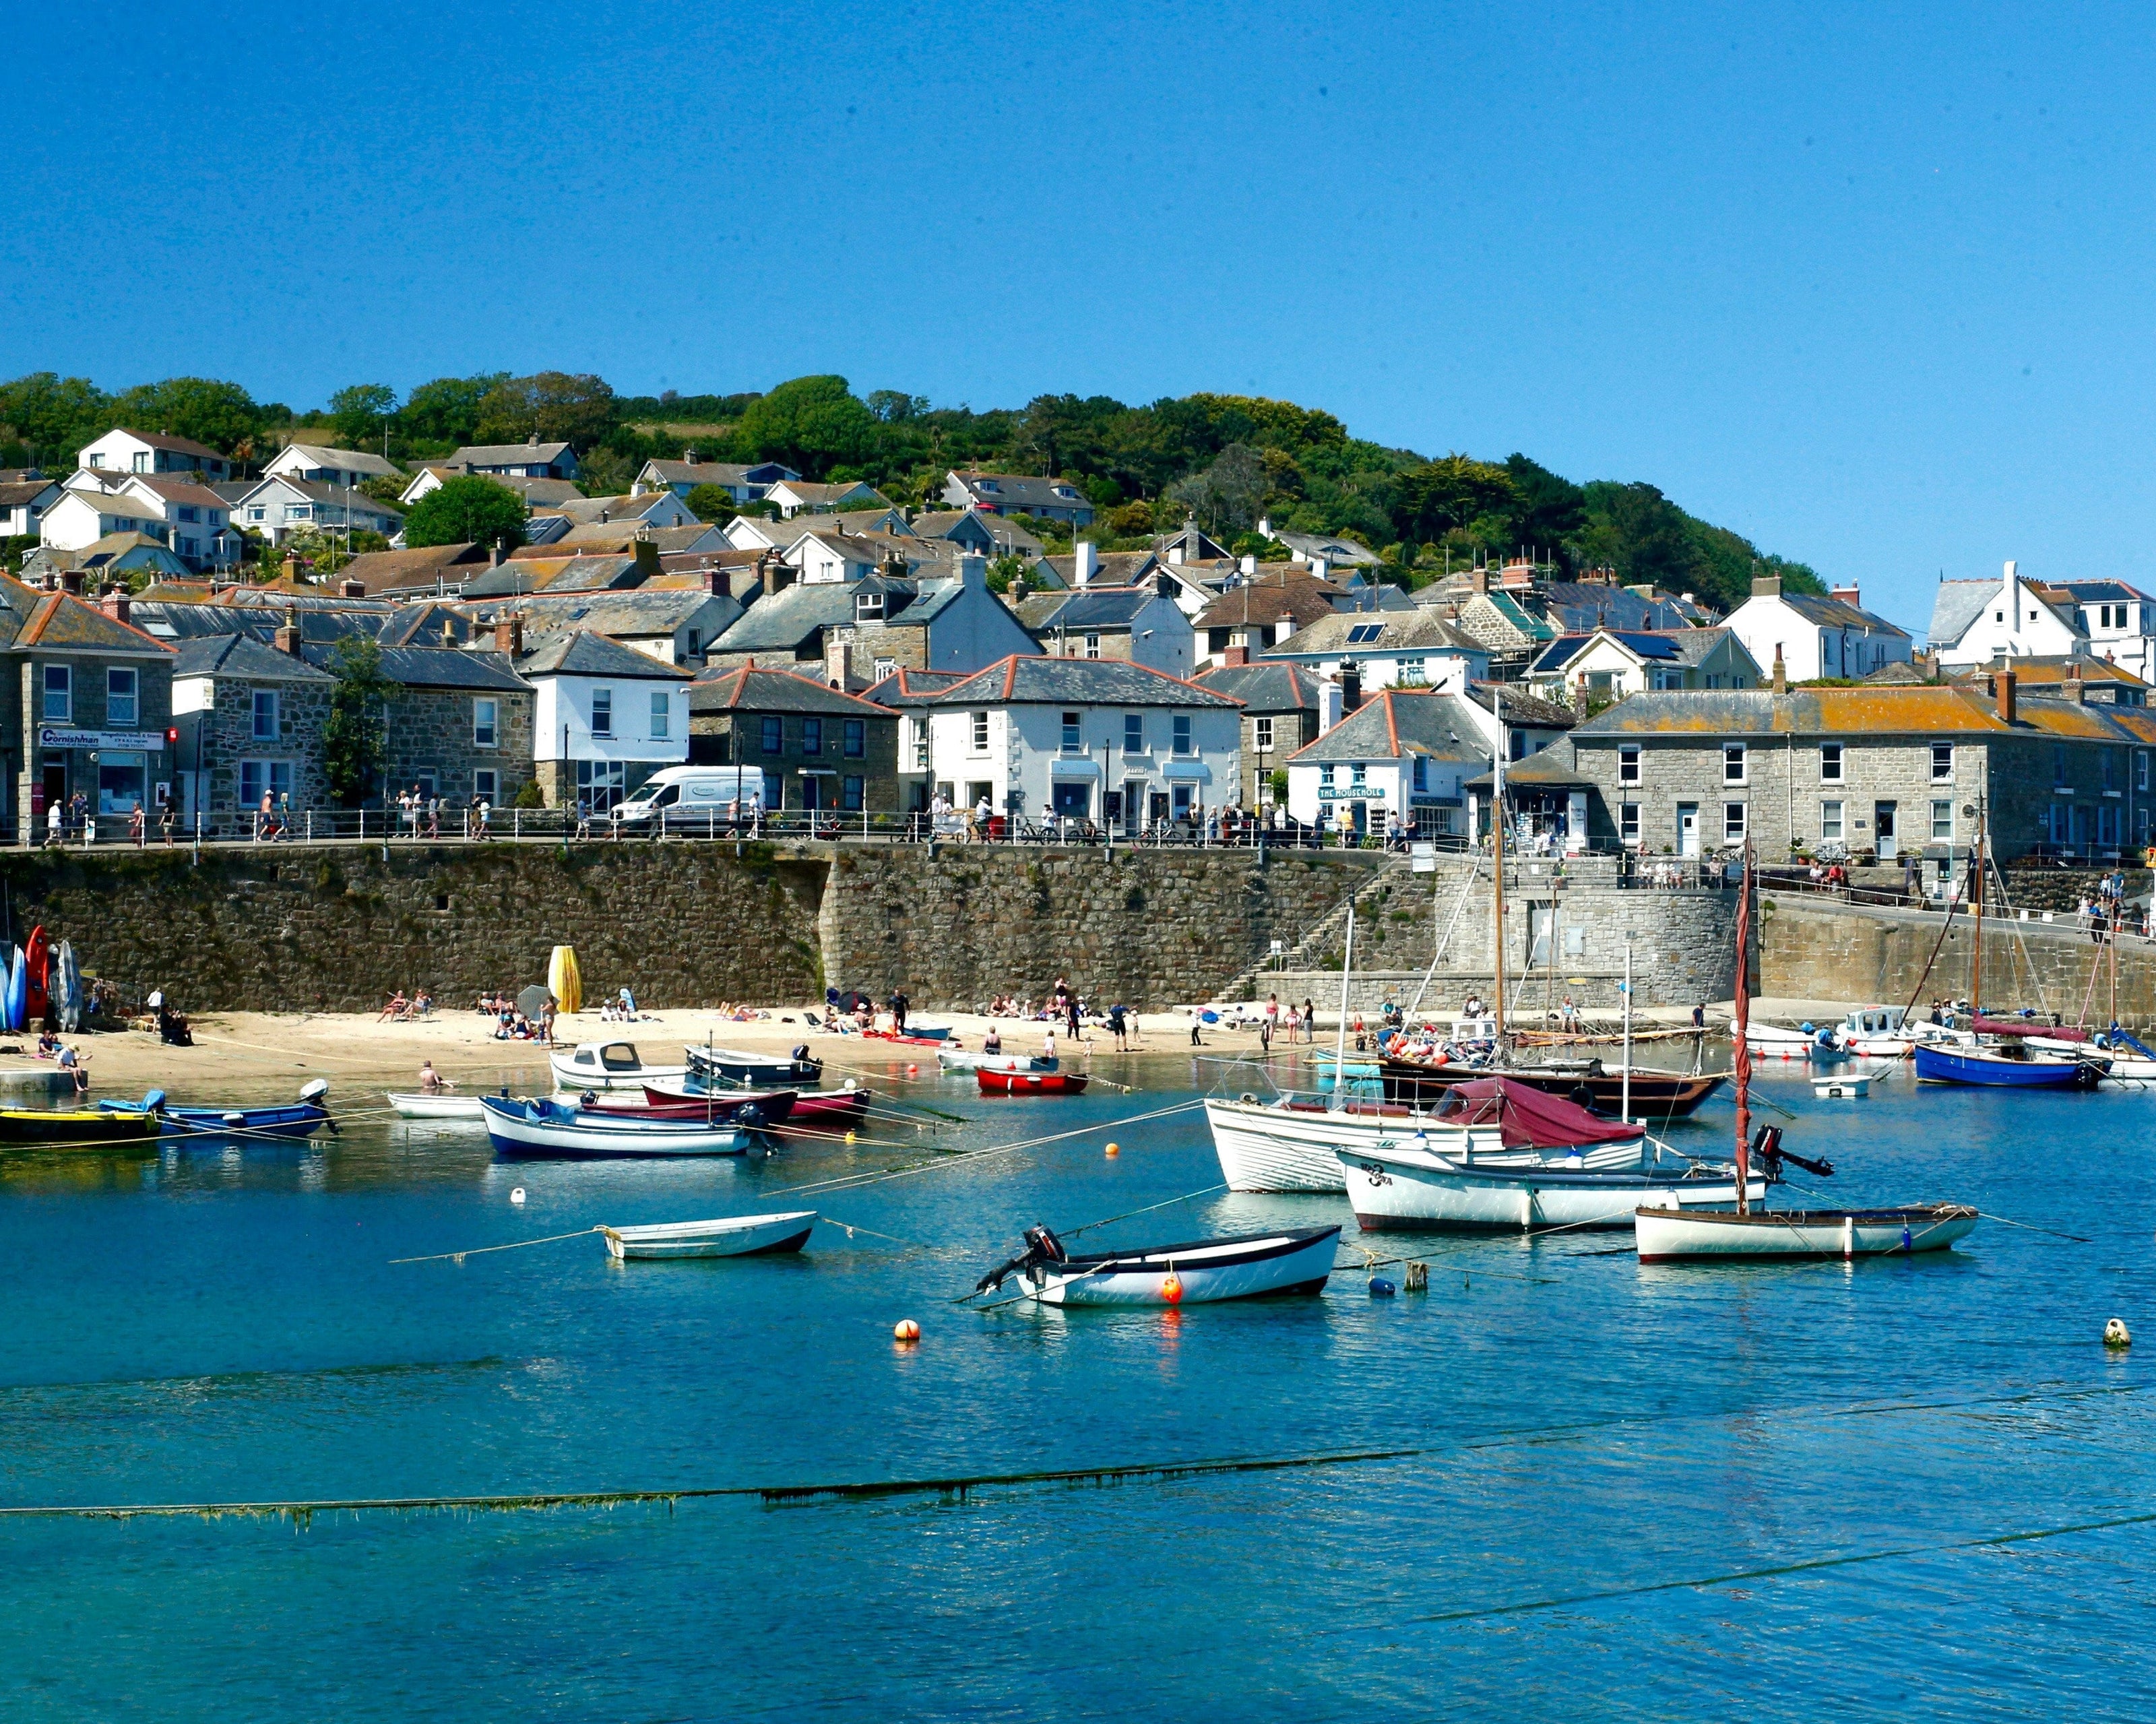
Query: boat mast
{"x":1976,"y":957}
{"x":1625,"y":1107}
{"x":1497,"y":869}
{"x":1340,"y":1052}
{"x":1742,"y":1032}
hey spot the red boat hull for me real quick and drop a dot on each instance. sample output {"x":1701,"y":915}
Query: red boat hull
{"x":1031,"y":1083}
{"x":809,"y":1111}
{"x":776,"y":1105}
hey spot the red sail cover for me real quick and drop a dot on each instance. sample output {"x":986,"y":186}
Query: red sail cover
{"x":1529,"y":1118}
{"x":2029,"y":1026}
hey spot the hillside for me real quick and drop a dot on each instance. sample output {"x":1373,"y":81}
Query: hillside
{"x":1230,"y":460}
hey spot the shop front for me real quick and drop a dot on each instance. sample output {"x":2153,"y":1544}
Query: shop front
{"x":114,"y":772}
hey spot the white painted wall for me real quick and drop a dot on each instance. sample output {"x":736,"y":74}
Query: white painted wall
{"x":1025,"y":754}
{"x":567,"y":701}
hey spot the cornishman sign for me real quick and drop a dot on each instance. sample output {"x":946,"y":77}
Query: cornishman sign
{"x":54,"y":737}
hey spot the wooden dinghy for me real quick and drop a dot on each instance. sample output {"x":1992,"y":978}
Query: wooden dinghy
{"x":811,"y":1109}
{"x":1255,"y":1265}
{"x":730,"y":1236}
{"x":298,"y":1118}
{"x":1670,"y":1236}
{"x":1003,"y":1059}
{"x":439,"y":1105}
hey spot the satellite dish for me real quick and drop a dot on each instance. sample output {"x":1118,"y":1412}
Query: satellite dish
{"x":532,"y":1001}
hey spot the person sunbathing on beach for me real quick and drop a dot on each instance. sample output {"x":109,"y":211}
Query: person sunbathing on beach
{"x":396,"y":1010}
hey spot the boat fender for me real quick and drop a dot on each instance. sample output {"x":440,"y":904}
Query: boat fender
{"x":2115,"y":1335}
{"x":234,"y":1119}
{"x":1171,"y":1289}
{"x":517,"y":1195}
{"x":1380,"y":1288}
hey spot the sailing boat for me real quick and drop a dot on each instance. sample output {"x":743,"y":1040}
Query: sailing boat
{"x":1663,"y":1235}
{"x":2006,"y":1061}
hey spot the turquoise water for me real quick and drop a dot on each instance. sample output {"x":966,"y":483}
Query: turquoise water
{"x":1620,"y":1471}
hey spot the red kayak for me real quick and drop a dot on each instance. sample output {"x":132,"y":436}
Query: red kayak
{"x":1031,"y":1083}
{"x":807,"y":1110}
{"x":776,"y":1105}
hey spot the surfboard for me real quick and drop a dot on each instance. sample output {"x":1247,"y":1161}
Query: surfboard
{"x":67,"y":987}
{"x":19,"y":982}
{"x":564,"y":982}
{"x":38,"y":959}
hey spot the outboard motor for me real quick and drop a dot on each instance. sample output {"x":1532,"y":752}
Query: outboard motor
{"x":1041,"y":1246}
{"x":317,"y":1094}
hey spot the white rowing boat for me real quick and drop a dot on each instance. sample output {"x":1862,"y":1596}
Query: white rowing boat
{"x":1407,"y":1190}
{"x":978,"y":1060}
{"x":1667,"y":1235}
{"x":438,"y":1105}
{"x":538,"y":1129}
{"x":1247,"y":1266}
{"x":730,"y":1236}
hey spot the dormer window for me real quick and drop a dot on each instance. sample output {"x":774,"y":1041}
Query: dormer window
{"x":867,"y":606}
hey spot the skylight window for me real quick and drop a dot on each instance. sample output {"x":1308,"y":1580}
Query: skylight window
{"x":1363,"y":633}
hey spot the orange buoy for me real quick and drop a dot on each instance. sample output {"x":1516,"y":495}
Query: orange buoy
{"x":906,"y":1330}
{"x":1171,"y":1289}
{"x":1115,"y":1149}
{"x":912,"y":1068}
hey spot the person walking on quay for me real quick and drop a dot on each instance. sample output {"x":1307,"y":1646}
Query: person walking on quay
{"x":168,"y":819}
{"x":55,"y":828}
{"x":135,"y":824}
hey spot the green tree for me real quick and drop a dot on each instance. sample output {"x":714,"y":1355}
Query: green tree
{"x":444,"y":414}
{"x":467,"y":510}
{"x":51,"y":416}
{"x":554,"y":407}
{"x":1437,"y":497}
{"x":220,"y":414}
{"x":713,"y":503}
{"x":361,"y":414}
{"x":353,"y":736}
{"x":1227,"y":496}
{"x":811,"y":424}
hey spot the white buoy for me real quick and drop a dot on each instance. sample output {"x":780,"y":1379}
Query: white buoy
{"x":2115,"y":1335}
{"x":517,"y":1195}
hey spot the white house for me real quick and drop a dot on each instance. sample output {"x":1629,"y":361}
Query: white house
{"x":539,"y":493}
{"x":606,"y":717}
{"x":332,"y":467}
{"x":652,"y":509}
{"x":798,"y":497}
{"x":744,"y":484}
{"x":1095,"y":739}
{"x":1816,"y":637}
{"x":1142,"y":625}
{"x":1413,"y":648}
{"x":530,"y":460}
{"x":1017,"y":493}
{"x":1978,"y":621}
{"x":22,"y":505}
{"x":752,"y":533}
{"x":79,"y":518}
{"x":1407,"y":754}
{"x":279,"y":507}
{"x":1610,"y":663}
{"x":123,"y":451}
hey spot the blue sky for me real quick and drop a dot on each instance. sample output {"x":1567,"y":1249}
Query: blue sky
{"x":1865,"y":283}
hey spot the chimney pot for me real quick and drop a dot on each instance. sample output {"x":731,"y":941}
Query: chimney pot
{"x":508,"y":636}
{"x":114,"y":603}
{"x":1781,"y":671}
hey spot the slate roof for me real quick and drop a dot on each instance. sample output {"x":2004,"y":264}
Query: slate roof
{"x":785,"y":620}
{"x":579,"y":652}
{"x":174,"y":488}
{"x":637,"y":611}
{"x":1332,"y":549}
{"x":581,"y":508}
{"x":1118,"y":568}
{"x":913,"y":688}
{"x":179,"y":620}
{"x":1839,"y":614}
{"x":751,"y":688}
{"x":1022,"y":679}
{"x":62,"y":620}
{"x":1930,"y":708}
{"x":1358,"y":633}
{"x":726,"y":473}
{"x":1091,"y":609}
{"x":1581,"y":607}
{"x":15,"y":493}
{"x":171,"y":445}
{"x":508,"y":454}
{"x":1263,"y":688}
{"x":349,"y":460}
{"x":333,"y":494}
{"x":1394,"y":723}
{"x":243,"y":655}
{"x":436,"y":667}
{"x":1521,"y":707}
{"x":1301,"y":595}
{"x":389,"y":571}
{"x":815,"y":496}
{"x":1022,"y":494}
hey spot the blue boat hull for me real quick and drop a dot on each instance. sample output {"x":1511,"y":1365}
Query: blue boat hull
{"x":293,"y":1120}
{"x":1941,"y":1065}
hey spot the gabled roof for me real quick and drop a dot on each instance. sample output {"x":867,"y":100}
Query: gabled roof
{"x":1331,"y":549}
{"x":751,"y":689}
{"x":350,"y":461}
{"x":785,"y":619}
{"x":726,"y":473}
{"x":1022,"y":680}
{"x":316,"y":492}
{"x":816,"y":496}
{"x":1826,"y":612}
{"x":1023,"y":494}
{"x":437,"y":668}
{"x":14,"y":493}
{"x":1263,"y":688}
{"x":435,"y":623}
{"x":913,"y":688}
{"x":388,"y":571}
{"x":579,"y":652}
{"x":1521,"y":707}
{"x":1362,"y":632}
{"x":242,"y":655}
{"x":581,"y":508}
{"x":1266,"y":600}
{"x":1117,"y":568}
{"x":1864,"y":710}
{"x":508,"y":454}
{"x":639,"y":612}
{"x":1395,"y":723}
{"x":170,"y":444}
{"x":1095,"y":608}
{"x":61,"y":620}
{"x":2104,"y":591}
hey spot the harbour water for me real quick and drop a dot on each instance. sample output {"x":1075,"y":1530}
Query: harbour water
{"x":1631,"y":1492}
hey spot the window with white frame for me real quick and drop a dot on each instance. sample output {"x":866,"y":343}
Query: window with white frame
{"x":603,"y":712}
{"x":265,"y":728}
{"x":2140,"y":769}
{"x":1181,"y":731}
{"x":1413,"y":670}
{"x":1830,"y":826}
{"x":1628,"y":822}
{"x":1830,"y":763}
{"x":1627,"y":763}
{"x":486,"y":722}
{"x":662,"y":715}
{"x":58,"y":683}
{"x":1942,"y":763}
{"x":122,"y":706}
{"x":1733,"y":822}
{"x":1943,"y":820}
{"x":1733,"y":763}
{"x":1092,"y":646}
{"x":884,"y":667}
{"x":979,"y":722}
{"x":1133,"y":733}
{"x":1261,"y":739}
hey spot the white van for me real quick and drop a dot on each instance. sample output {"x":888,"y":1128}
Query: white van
{"x":685,"y":794}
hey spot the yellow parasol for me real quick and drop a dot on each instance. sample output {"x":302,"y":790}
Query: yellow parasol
{"x":564,"y":982}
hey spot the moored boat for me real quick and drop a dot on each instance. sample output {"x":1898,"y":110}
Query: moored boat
{"x":975,"y":1059}
{"x":1030,"y":1083}
{"x":1667,"y":1235}
{"x":733,"y":1067}
{"x":747,"y":1107}
{"x":436,"y":1105}
{"x":74,"y":1128}
{"x":812,"y":1110}
{"x":730,"y":1236}
{"x":608,"y":1065}
{"x":298,"y":1118}
{"x":535,"y":1128}
{"x":1655,"y":1093}
{"x":1412,"y":1190}
{"x":1255,"y":1265}
{"x":2005,"y":1067}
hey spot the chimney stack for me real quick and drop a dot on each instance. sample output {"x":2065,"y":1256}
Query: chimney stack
{"x":508,"y":636}
{"x":1084,"y":562}
{"x":717,"y":584}
{"x":1848,"y":595}
{"x":291,"y":567}
{"x":1351,"y":689}
{"x":1781,"y":671}
{"x":352,"y":589}
{"x":494,"y":554}
{"x":1235,"y":655}
{"x":2004,"y":683}
{"x":71,"y":581}
{"x":114,"y":603}
{"x":1766,"y":586}
{"x":288,"y":637}
{"x":1480,"y":579}
{"x":1329,"y":707}
{"x":2076,"y":690}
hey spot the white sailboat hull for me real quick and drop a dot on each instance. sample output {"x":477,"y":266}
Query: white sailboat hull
{"x":1666,"y":1234}
{"x":1254,"y":1267}
{"x":1412,"y":1191}
{"x":1266,"y":1147}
